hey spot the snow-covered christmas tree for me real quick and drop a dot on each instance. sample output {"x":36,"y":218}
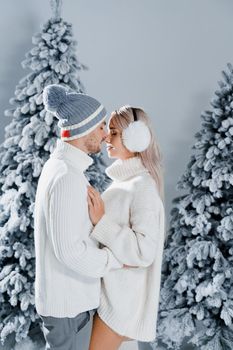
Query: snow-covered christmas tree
{"x":29,"y":139}
{"x":197,"y":281}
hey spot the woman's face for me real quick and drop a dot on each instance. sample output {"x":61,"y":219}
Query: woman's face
{"x":115,"y":147}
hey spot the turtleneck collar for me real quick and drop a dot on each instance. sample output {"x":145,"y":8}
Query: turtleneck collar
{"x":78,"y":158}
{"x":123,"y":169}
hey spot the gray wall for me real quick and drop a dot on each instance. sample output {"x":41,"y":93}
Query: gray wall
{"x":163,"y":55}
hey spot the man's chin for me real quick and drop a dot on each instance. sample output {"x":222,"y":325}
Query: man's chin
{"x":95,"y":151}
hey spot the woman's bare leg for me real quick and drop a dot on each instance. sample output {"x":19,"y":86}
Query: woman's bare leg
{"x":103,"y":337}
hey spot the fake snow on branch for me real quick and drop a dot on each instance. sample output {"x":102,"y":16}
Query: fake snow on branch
{"x":196,"y":298}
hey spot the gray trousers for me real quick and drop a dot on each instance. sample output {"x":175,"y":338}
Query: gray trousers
{"x":145,"y":346}
{"x":61,"y":333}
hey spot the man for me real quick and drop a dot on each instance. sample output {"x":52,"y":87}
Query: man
{"x":69,"y":263}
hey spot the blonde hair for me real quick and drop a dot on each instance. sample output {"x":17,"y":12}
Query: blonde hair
{"x":151,"y":158}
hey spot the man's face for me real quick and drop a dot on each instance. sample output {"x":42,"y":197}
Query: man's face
{"x":95,"y":138}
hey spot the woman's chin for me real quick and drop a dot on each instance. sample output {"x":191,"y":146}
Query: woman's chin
{"x":111,"y":154}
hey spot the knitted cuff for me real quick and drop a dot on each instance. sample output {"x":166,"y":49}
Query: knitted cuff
{"x":113,"y":262}
{"x":105,"y":230}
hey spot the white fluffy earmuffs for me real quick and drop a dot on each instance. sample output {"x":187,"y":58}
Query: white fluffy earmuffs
{"x":136,"y":137}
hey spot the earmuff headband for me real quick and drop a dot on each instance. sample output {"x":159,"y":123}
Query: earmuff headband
{"x":136,"y":137}
{"x":134,"y":114}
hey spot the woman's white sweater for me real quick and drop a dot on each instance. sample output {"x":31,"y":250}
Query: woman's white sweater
{"x":133,"y":228}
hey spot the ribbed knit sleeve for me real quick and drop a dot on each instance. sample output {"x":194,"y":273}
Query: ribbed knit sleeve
{"x":67,"y":214}
{"x":136,"y":245}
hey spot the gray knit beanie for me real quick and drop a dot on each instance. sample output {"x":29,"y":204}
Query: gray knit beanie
{"x":78,"y":113}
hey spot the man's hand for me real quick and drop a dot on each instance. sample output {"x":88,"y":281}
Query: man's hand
{"x":95,"y":205}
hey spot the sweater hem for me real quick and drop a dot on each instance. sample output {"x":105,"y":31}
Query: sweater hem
{"x":69,"y":313}
{"x":140,"y":334}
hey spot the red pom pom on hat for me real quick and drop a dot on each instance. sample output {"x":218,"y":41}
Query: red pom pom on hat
{"x":65,"y":133}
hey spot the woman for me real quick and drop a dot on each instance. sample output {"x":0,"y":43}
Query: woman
{"x":129,"y":219}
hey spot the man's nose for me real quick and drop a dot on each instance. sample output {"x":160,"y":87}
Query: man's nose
{"x":105,"y":133}
{"x":105,"y":138}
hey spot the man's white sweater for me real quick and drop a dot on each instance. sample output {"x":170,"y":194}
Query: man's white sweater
{"x":69,"y":263}
{"x":133,"y":228}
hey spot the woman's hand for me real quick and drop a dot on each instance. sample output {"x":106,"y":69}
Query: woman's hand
{"x":95,"y":205}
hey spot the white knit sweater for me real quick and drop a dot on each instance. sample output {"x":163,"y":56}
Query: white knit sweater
{"x":133,"y":228}
{"x":68,"y":263}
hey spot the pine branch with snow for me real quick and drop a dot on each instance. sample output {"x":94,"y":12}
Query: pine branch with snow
{"x":197,"y":276}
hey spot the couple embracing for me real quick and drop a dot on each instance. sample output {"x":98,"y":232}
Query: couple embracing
{"x":98,"y":255}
